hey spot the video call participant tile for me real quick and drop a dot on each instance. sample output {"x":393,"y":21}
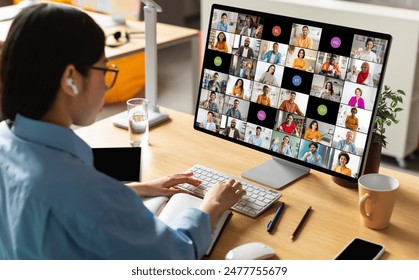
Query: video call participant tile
{"x":322,"y":110}
{"x":276,"y":30}
{"x":261,"y":115}
{"x":336,"y":42}
{"x":297,"y":80}
{"x":217,"y":61}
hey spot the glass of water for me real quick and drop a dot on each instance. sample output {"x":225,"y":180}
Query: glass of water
{"x":138,"y":121}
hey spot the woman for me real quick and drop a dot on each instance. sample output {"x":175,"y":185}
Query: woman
{"x":288,"y":126}
{"x":299,"y":62}
{"x":285,"y":147}
{"x":238,"y":90}
{"x":327,"y":92}
{"x":364,"y":76}
{"x":64,"y":208}
{"x":357,"y":100}
{"x":312,"y":133}
{"x":268,"y":77}
{"x":341,"y":167}
{"x":221,"y":44}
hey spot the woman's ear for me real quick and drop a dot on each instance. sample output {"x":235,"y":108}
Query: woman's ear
{"x":69,"y":81}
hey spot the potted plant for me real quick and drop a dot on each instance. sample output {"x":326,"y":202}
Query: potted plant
{"x":388,"y":107}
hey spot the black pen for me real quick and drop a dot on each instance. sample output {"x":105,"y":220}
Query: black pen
{"x":272,"y":223}
{"x":298,"y":229}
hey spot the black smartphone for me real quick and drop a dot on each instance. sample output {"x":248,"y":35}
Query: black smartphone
{"x":360,"y":249}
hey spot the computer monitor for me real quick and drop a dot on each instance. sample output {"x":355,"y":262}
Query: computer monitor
{"x":305,"y":92}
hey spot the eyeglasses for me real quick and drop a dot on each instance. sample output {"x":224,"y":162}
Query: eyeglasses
{"x":110,"y":72}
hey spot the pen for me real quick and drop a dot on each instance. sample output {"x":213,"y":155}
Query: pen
{"x":298,"y":229}
{"x":272,"y":223}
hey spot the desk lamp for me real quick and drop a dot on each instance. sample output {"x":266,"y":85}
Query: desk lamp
{"x":155,"y":115}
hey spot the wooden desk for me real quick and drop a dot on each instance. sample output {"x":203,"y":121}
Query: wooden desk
{"x":176,"y":146}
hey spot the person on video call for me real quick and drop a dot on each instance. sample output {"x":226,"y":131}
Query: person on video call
{"x":264,"y":98}
{"x":357,"y":100}
{"x":256,"y":139}
{"x":209,"y":123}
{"x":341,"y":166}
{"x":243,"y":71}
{"x":234,"y":112}
{"x":221,"y":43}
{"x":212,"y":104}
{"x":351,"y":75}
{"x":250,"y":29}
{"x":367,"y":53}
{"x":304,"y":41}
{"x":331,"y":68}
{"x":58,"y":205}
{"x":312,"y":132}
{"x":268,"y":77}
{"x":288,"y":126}
{"x":232,"y":131}
{"x":327,"y":92}
{"x":351,"y":121}
{"x":238,"y":90}
{"x":290,"y":105}
{"x":283,"y":147}
{"x":272,"y":56}
{"x":223,"y":24}
{"x":313,"y":155}
{"x":347,"y":144}
{"x":299,"y":62}
{"x":245,"y":50}
{"x":213,"y":84}
{"x":364,"y":76}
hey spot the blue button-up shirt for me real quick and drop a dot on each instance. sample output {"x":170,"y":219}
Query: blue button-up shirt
{"x":55,"y":205}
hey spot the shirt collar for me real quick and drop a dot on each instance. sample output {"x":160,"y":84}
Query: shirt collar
{"x":53,"y":136}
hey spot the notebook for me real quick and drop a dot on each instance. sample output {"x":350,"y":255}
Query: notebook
{"x":182,"y":201}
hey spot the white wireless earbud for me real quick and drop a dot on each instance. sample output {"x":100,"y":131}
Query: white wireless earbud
{"x":73,"y":86}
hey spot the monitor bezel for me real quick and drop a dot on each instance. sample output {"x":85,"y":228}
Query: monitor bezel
{"x":323,"y":25}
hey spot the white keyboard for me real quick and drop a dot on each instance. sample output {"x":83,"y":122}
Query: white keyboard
{"x":256,"y":200}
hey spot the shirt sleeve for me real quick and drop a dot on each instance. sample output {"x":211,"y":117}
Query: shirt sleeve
{"x":130,"y":231}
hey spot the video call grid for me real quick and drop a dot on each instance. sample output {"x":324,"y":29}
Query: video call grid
{"x":225,"y":62}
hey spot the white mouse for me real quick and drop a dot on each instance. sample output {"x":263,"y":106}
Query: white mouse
{"x":250,"y":251}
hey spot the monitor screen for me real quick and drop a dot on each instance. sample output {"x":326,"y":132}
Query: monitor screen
{"x":302,"y":91}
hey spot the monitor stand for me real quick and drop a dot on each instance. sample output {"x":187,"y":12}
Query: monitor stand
{"x":276,"y":173}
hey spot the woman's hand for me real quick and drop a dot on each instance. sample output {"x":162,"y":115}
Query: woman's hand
{"x":164,"y":186}
{"x":221,"y":197}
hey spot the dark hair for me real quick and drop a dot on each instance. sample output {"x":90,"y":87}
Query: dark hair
{"x":258,"y":127}
{"x":314,"y":122}
{"x":369,"y":40}
{"x":43,"y":40}
{"x":304,"y":53}
{"x":314,"y":144}
{"x":218,"y":37}
{"x":241,"y":87}
{"x":344,"y":154}
{"x":270,"y":68}
{"x":360,"y":90}
{"x":290,"y":115}
{"x":331,"y":87}
{"x":223,"y":14}
{"x":211,"y":112}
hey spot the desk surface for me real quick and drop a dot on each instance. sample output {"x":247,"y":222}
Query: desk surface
{"x":175,"y":146}
{"x":167,"y":35}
